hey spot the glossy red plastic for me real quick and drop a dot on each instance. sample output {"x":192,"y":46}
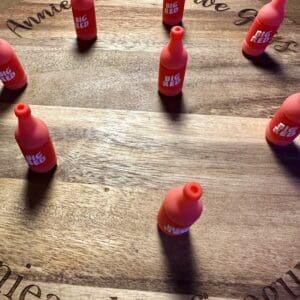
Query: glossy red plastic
{"x":173,"y":61}
{"x":285,"y":125}
{"x":12,"y":73}
{"x":84,"y":16}
{"x":264,"y":27}
{"x":181,"y":209}
{"x":33,"y":138}
{"x":173,"y":11}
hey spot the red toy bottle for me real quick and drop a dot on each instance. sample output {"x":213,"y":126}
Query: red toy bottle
{"x":173,"y":11}
{"x":34,"y":140}
{"x":173,"y":60}
{"x":84,"y":19}
{"x":264,"y":27}
{"x":180,"y":209}
{"x":285,"y":125}
{"x":12,"y":73}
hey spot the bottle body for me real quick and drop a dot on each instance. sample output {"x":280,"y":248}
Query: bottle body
{"x":84,"y":16}
{"x":34,"y":140}
{"x":264,"y":27}
{"x":173,"y":11}
{"x":285,"y":125}
{"x":172,"y":66}
{"x":178,"y":211}
{"x":12,"y":73}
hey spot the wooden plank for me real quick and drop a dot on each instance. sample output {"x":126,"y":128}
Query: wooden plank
{"x":70,"y":292}
{"x":124,"y":60}
{"x":93,"y":222}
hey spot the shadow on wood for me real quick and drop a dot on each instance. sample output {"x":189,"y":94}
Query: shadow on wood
{"x":178,"y":253}
{"x":84,"y":46}
{"x":173,"y":106}
{"x":265,"y":62}
{"x":289,"y":157}
{"x":36,"y":189}
{"x":9,"y":97}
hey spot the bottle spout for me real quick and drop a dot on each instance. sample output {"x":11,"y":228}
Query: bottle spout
{"x":278,"y":4}
{"x":22,"y":110}
{"x":192,"y":191}
{"x":176,"y":36}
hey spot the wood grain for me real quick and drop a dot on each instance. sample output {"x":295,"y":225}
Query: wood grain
{"x":124,"y":60}
{"x":88,"y":230}
{"x":93,"y":222}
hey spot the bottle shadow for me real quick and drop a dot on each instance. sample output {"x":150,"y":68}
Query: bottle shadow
{"x":178,"y":253}
{"x":173,"y":106}
{"x":167,"y":28}
{"x":84,"y":46}
{"x":9,"y":97}
{"x":36,"y":189}
{"x":265,"y":62}
{"x":288,"y":157}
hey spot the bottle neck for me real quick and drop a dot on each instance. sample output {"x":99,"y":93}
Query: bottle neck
{"x":26,"y":124}
{"x":278,"y":4}
{"x":175,"y":46}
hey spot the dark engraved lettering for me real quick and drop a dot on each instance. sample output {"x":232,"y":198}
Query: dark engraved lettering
{"x":246,"y":15}
{"x":15,"y":26}
{"x":221,"y":7}
{"x":6,"y":275}
{"x":27,"y":290}
{"x":282,"y":45}
{"x":31,"y":21}
{"x":290,"y":292}
{"x":50,"y":296}
{"x":14,"y":287}
{"x":295,"y":278}
{"x":55,"y":9}
{"x":208,"y":3}
{"x":272,"y":289}
{"x":65,"y":4}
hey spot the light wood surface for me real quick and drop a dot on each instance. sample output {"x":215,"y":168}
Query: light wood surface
{"x":124,"y":60}
{"x":88,"y":230}
{"x":93,"y":222}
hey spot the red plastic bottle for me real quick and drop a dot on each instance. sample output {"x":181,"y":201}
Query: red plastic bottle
{"x":264,"y":27}
{"x":173,"y":11}
{"x":173,"y":61}
{"x":180,"y":209}
{"x":12,"y":73}
{"x":84,"y":19}
{"x":285,"y":125}
{"x":34,"y":140}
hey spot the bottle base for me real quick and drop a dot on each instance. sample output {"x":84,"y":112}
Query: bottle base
{"x":250,"y":51}
{"x":170,"y":94}
{"x":18,"y":86}
{"x":45,"y":169}
{"x":91,"y":37}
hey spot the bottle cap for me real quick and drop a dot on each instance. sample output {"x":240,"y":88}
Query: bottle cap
{"x":22,"y":110}
{"x":177,"y":33}
{"x":193,"y":191}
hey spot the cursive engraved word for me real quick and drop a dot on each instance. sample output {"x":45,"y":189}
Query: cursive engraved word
{"x":282,"y":44}
{"x":247,"y":15}
{"x":217,"y":6}
{"x":272,"y":289}
{"x":31,"y":289}
{"x":31,"y":21}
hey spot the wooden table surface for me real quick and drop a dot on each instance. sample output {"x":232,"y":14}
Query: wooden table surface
{"x":88,"y":230}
